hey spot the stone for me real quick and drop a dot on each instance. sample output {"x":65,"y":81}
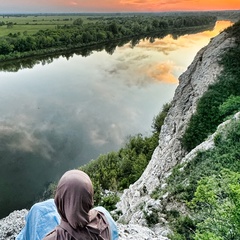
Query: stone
{"x":11,"y":225}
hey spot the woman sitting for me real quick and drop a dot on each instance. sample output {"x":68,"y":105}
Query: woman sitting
{"x":75,"y":218}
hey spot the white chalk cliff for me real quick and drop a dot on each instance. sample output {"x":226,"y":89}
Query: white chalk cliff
{"x":192,"y":84}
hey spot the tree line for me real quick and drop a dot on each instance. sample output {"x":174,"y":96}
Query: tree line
{"x":82,"y":34}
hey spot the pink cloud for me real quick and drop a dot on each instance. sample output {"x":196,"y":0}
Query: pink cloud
{"x":114,"y":5}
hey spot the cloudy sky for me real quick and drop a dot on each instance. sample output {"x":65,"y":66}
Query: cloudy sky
{"x":114,"y":5}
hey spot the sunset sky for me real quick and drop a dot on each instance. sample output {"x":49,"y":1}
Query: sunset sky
{"x":13,"y":6}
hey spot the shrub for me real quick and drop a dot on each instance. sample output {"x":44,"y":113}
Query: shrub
{"x":109,"y":201}
{"x":197,"y":177}
{"x":152,"y":217}
{"x":217,"y":204}
{"x":217,"y":103}
{"x":230,"y":106}
{"x":115,"y":171}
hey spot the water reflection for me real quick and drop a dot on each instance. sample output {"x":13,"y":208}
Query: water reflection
{"x":108,"y":47}
{"x":163,"y":72}
{"x":58,"y":112}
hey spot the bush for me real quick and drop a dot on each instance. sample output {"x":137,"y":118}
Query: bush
{"x":196,"y":181}
{"x":217,"y":103}
{"x":152,"y":217}
{"x":184,"y":228}
{"x":159,"y":119}
{"x":230,"y":106}
{"x":217,"y":203}
{"x":115,"y":171}
{"x":109,"y":201}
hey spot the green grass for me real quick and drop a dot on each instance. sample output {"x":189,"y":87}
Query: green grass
{"x":29,"y":29}
{"x":208,"y":115}
{"x":32,"y":24}
{"x":183,"y":182}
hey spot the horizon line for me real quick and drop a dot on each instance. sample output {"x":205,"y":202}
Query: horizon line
{"x":118,"y":12}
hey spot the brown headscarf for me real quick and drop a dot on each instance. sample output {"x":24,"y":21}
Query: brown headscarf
{"x":74,"y":198}
{"x":74,"y":201}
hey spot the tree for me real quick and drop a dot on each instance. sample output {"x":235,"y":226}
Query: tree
{"x":155,"y":23}
{"x":5,"y":47}
{"x":113,"y":27}
{"x":78,"y":22}
{"x":217,"y":204}
{"x":159,"y":119}
{"x":10,"y":25}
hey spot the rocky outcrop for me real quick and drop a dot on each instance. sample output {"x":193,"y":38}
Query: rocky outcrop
{"x":12,"y":225}
{"x":203,"y":71}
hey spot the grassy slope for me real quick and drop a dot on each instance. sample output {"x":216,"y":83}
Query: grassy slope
{"x":226,"y":154}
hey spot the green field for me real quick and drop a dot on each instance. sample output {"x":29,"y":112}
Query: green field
{"x":24,"y":35}
{"x":31,"y":24}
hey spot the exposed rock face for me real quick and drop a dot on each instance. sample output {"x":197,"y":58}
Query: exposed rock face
{"x":12,"y":225}
{"x":192,"y":84}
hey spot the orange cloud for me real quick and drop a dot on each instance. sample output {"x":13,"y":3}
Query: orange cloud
{"x":116,"y":5}
{"x":141,"y":5}
{"x":167,"y":72}
{"x":179,"y":5}
{"x":163,"y":72}
{"x":165,"y":45}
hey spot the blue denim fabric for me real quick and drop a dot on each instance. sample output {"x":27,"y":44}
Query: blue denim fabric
{"x":41,"y":219}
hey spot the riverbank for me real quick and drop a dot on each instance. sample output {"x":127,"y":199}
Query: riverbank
{"x":82,"y":34}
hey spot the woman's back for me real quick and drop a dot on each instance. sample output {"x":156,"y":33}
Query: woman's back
{"x":74,"y":202}
{"x":97,"y":228}
{"x":70,"y":215}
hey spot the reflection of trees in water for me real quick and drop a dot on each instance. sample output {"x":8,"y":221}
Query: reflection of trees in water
{"x":110,"y":48}
{"x":16,"y":65}
{"x":176,"y":34}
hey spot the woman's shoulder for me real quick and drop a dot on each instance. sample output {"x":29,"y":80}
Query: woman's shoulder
{"x":51,"y":236}
{"x":58,"y":232}
{"x":112,"y":224}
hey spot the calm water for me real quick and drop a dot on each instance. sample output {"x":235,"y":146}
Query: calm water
{"x":61,"y":114}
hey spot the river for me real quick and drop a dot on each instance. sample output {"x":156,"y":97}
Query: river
{"x":59,"y":114}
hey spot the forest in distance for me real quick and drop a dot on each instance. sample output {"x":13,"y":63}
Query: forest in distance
{"x":109,"y":47}
{"x":27,"y":36}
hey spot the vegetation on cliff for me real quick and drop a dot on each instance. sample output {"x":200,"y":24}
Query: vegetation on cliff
{"x":209,"y":184}
{"x":197,"y":184}
{"x":115,"y":171}
{"x":214,"y":106}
